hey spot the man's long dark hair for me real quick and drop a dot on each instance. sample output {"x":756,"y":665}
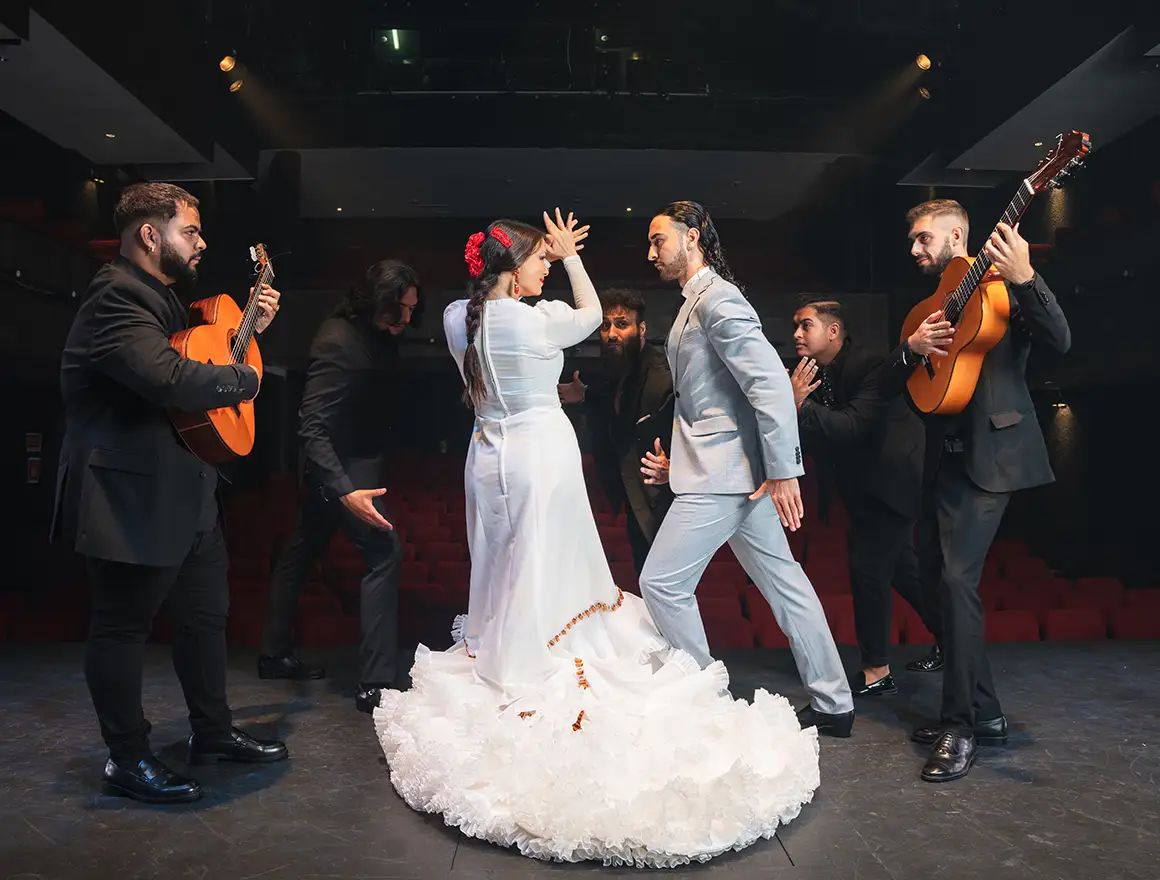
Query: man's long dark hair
{"x":378,"y":292}
{"x":694,"y":216}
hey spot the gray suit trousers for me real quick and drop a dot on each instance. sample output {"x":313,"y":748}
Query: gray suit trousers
{"x":693,"y":530}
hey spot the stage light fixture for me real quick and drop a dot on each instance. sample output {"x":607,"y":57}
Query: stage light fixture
{"x":924,"y":93}
{"x":227,"y":63}
{"x":923,"y":62}
{"x":235,"y":85}
{"x":109,"y":134}
{"x":1038,"y":143}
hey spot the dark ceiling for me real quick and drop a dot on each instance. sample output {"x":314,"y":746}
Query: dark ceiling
{"x":824,"y":76}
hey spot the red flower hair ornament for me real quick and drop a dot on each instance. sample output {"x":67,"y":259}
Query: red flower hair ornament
{"x":471,"y":252}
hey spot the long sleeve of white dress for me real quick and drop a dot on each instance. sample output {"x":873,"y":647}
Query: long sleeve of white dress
{"x":567,"y":326}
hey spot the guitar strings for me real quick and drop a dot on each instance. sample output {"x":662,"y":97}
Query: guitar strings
{"x":957,"y":300}
{"x":246,"y":329}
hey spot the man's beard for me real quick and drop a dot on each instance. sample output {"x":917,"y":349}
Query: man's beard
{"x":673,"y":270}
{"x":623,"y":358}
{"x":173,"y":265}
{"x":940,"y":260}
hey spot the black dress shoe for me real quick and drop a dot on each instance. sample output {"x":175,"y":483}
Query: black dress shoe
{"x":238,"y":746}
{"x":932,"y":662}
{"x":287,"y":666}
{"x":987,"y":733}
{"x":881,"y":688}
{"x":370,"y":696}
{"x":149,"y":780}
{"x":829,"y":725}
{"x":951,"y":759}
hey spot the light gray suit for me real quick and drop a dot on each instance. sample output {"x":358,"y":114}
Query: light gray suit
{"x":734,"y":426}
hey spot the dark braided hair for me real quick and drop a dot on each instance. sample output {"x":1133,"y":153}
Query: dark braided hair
{"x":691,"y":215}
{"x":496,"y":259}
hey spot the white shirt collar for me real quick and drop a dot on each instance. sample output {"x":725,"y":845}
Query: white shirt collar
{"x":687,"y":289}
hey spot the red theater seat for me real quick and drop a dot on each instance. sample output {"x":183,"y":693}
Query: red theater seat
{"x":1012,"y":626}
{"x":1130,"y":623}
{"x":1074,"y":625}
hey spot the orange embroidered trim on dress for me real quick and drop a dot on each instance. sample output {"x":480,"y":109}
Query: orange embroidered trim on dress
{"x":468,"y":650}
{"x":580,"y":679}
{"x":576,"y":723}
{"x":527,"y":714}
{"x":588,"y":612}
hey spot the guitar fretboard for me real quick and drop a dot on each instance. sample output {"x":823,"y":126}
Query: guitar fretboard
{"x":957,"y":300}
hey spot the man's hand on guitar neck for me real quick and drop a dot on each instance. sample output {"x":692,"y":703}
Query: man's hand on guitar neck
{"x":267,"y":305}
{"x":933,"y":336}
{"x":1010,"y":254}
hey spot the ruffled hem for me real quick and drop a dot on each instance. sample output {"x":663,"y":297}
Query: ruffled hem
{"x":659,"y":775}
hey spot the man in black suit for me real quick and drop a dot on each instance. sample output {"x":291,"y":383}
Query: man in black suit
{"x":631,"y":412}
{"x":974,"y":461}
{"x":135,"y":501}
{"x":344,"y":423}
{"x":870,"y":446}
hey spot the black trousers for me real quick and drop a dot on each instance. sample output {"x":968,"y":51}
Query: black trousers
{"x":882,"y":553}
{"x":382,"y":553}
{"x":637,"y":540}
{"x":960,"y":521}
{"x":125,"y":599}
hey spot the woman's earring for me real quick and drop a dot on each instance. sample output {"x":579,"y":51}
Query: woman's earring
{"x":516,"y":288}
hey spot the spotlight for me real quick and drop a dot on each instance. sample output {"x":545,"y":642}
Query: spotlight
{"x":1038,"y":144}
{"x":109,"y":134}
{"x":236,"y":85}
{"x":924,"y":93}
{"x":923,"y":62}
{"x":227,"y":63}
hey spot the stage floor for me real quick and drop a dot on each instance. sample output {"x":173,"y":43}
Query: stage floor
{"x":1075,"y":795}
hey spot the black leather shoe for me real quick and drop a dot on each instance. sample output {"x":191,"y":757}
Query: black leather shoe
{"x":932,"y":662}
{"x":828,"y":725}
{"x":951,"y":759}
{"x":149,"y":780}
{"x":370,"y":696}
{"x":287,"y":666}
{"x":987,"y":733}
{"x":238,"y":746}
{"x":881,"y":688}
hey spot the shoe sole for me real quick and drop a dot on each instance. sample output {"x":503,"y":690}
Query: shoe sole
{"x":938,"y":668}
{"x":889,"y":692}
{"x":979,"y":740}
{"x":959,"y":775}
{"x":267,"y":676}
{"x":119,"y":791}
{"x":201,"y":760}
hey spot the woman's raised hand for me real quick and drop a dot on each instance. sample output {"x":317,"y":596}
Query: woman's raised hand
{"x":563,"y":238}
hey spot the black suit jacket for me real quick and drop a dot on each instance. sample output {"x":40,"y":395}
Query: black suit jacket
{"x":870,"y":436}
{"x":128,"y":489}
{"x":345,"y":416}
{"x":1002,"y":441}
{"x":620,"y":442}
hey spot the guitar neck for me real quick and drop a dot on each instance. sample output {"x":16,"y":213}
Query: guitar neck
{"x":1015,"y":210}
{"x":249,"y":318}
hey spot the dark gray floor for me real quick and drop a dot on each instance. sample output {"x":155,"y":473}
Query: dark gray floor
{"x":1075,"y":795}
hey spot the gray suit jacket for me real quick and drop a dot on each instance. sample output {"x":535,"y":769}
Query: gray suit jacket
{"x":734,"y":421}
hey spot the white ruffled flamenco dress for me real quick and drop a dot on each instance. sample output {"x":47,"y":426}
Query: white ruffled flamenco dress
{"x":562,"y":723}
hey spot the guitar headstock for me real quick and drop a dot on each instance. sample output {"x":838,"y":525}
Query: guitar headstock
{"x":1067,"y":155}
{"x":261,"y":260}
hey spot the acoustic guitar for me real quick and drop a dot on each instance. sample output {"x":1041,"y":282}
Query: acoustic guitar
{"x":973,"y":297}
{"x":221,"y":333}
